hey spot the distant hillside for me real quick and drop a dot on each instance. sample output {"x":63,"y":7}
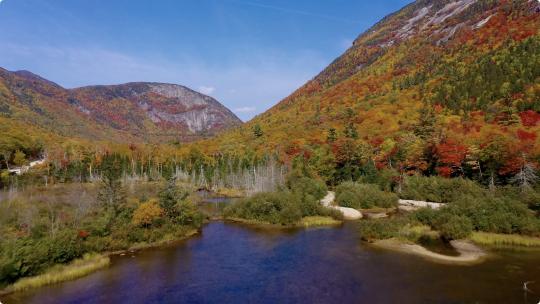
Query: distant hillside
{"x":133,"y":112}
{"x":433,"y":87}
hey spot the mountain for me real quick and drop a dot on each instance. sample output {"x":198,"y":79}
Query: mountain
{"x":434,"y":85}
{"x":132,"y":112}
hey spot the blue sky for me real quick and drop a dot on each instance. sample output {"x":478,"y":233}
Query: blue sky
{"x":249,"y":54}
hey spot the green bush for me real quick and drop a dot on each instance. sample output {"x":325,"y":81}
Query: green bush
{"x":439,"y":189}
{"x":426,"y":216}
{"x":381,"y":229}
{"x":497,"y":215}
{"x":529,"y":197}
{"x":27,"y":256}
{"x":187,"y":214}
{"x":384,"y":178}
{"x":455,"y":227}
{"x":489,"y":214}
{"x":364,"y":196}
{"x":273,"y":207}
{"x":307,"y":186}
{"x":282,"y":207}
{"x":170,"y":196}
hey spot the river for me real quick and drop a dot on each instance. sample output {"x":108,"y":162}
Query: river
{"x":231,"y":263}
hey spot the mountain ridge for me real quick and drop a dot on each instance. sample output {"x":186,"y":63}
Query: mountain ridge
{"x":135,"y":111}
{"x":434,"y":75}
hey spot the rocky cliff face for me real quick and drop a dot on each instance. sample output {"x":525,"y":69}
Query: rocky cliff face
{"x":168,"y":106}
{"x":150,"y":112}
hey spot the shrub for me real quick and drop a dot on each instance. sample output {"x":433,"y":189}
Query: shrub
{"x":28,"y":257}
{"x":307,"y":186}
{"x":170,"y":196}
{"x":65,"y":246}
{"x":439,"y":189}
{"x":495,"y":214}
{"x":364,"y":196}
{"x":426,"y":216}
{"x":273,"y":207}
{"x":380,"y":229}
{"x":384,"y":178}
{"x":282,"y":207}
{"x":147,"y":214}
{"x":186,"y":213}
{"x":455,"y":227}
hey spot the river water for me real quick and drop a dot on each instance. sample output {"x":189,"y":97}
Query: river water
{"x":231,"y":263}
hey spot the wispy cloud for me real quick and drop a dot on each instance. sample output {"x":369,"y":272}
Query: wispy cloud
{"x":207,"y":90}
{"x":245,"y":110}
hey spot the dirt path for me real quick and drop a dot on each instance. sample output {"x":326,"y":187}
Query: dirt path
{"x":348,"y":213}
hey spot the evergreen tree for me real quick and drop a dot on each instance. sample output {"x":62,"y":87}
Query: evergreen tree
{"x":111,"y":192}
{"x":170,"y":196}
{"x":426,"y":123}
{"x":257,"y":131}
{"x":350,"y":131}
{"x":332,"y":135}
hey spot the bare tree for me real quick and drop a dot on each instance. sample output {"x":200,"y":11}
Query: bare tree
{"x":526,"y":176}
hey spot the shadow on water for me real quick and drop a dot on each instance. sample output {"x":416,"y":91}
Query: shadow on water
{"x":438,"y":245}
{"x":231,"y":263}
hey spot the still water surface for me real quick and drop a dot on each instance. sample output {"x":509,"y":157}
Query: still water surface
{"x":231,"y":263}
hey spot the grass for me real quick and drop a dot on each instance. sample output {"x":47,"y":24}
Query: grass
{"x":60,"y":273}
{"x":305,"y":222}
{"x":229,"y":192}
{"x":314,"y":221}
{"x":495,"y":239}
{"x":413,"y":233}
{"x":251,"y":222}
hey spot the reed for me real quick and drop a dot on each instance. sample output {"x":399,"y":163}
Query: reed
{"x":60,"y":273}
{"x":314,"y":221}
{"x":495,"y":239}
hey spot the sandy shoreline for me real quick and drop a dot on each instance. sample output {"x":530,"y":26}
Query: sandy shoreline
{"x":469,"y":253}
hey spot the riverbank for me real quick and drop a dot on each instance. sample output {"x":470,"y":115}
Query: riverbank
{"x":61,"y":273}
{"x":164,"y":242}
{"x":88,"y":264}
{"x":305,"y":222}
{"x":469,"y":254}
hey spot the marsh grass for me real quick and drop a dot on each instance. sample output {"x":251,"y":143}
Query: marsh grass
{"x":229,"y":192}
{"x":305,"y":222}
{"x":495,"y":239}
{"x":61,"y":273}
{"x":315,"y":221}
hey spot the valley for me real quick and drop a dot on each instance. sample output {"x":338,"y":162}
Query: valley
{"x":407,"y":170}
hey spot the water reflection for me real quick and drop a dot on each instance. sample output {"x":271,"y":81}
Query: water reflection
{"x":232,"y":263}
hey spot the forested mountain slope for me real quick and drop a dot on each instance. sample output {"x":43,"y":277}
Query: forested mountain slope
{"x":439,"y":87}
{"x":127,"y":113}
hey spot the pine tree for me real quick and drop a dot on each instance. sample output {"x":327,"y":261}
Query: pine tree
{"x":257,"y":131}
{"x":170,"y":197}
{"x":332,"y":135}
{"x":426,"y":124}
{"x":350,"y":131}
{"x":111,"y":192}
